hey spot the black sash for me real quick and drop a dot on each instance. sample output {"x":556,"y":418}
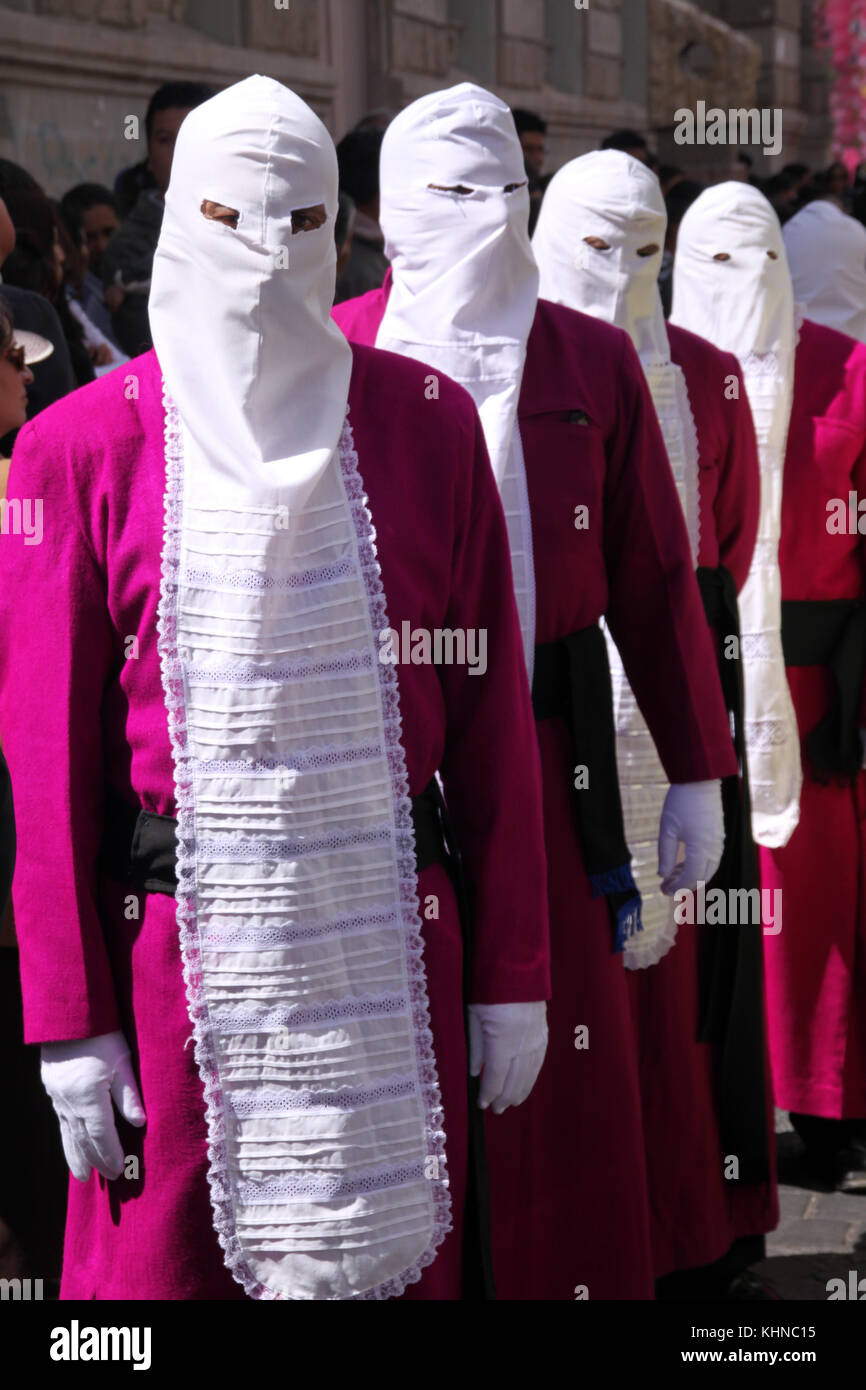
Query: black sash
{"x":731,"y":978}
{"x":832,"y":633}
{"x":140,"y":847}
{"x":572,"y":681}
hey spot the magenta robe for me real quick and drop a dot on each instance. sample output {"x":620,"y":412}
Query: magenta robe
{"x":696,"y":1213}
{"x":77,"y":717}
{"x":567,"y":1171}
{"x":816,"y":965}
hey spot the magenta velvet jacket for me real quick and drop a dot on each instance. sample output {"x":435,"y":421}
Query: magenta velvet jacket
{"x":82,"y":711}
{"x":81,"y":703}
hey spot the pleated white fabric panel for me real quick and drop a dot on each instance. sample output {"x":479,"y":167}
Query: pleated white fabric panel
{"x":297,"y":896}
{"x":772,"y":738}
{"x":514,"y":495}
{"x":642,"y":779}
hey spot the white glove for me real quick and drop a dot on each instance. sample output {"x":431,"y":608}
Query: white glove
{"x":82,"y":1078}
{"x":692,"y":814}
{"x":507,"y":1043}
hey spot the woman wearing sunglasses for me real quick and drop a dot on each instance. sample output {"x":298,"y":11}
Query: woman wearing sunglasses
{"x":18,"y":350}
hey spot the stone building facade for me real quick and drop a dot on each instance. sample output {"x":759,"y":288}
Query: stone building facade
{"x":72,"y":71}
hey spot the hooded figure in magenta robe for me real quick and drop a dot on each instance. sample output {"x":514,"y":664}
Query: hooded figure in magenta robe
{"x":816,"y":958}
{"x":598,"y":244}
{"x":286,"y":1026}
{"x":574,"y":441}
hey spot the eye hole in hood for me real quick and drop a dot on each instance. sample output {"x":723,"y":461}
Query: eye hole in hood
{"x":219,"y":212}
{"x":308,"y":219}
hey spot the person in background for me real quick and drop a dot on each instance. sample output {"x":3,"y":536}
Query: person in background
{"x":858,"y":194}
{"x":17,"y":352}
{"x":681,"y":196}
{"x":84,"y":285}
{"x":835,"y":184}
{"x":53,"y":376}
{"x":358,"y":158}
{"x":742,"y":170}
{"x":802,"y":177}
{"x":380,"y":119}
{"x":781,"y":191}
{"x":826,"y":251}
{"x":532,"y":130}
{"x":85,"y":303}
{"x":344,"y":228}
{"x":160,"y":131}
{"x":32,"y":1186}
{"x":669,"y":176}
{"x":95,"y":207}
{"x":38,"y":263}
{"x":126,"y":261}
{"x":630,"y":142}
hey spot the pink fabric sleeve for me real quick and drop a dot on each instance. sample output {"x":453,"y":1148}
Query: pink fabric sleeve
{"x":655,"y":612}
{"x":738,"y":497}
{"x":491,"y":770}
{"x":359,"y":318}
{"x":859,"y":483}
{"x":55,"y":655}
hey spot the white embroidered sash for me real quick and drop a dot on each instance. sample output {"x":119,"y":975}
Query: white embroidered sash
{"x":297,"y":897}
{"x":772,"y":739}
{"x":514,"y":495}
{"x":642,"y":779}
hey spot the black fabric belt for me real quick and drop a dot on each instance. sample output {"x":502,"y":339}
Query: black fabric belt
{"x":731,"y":972}
{"x":832,"y":633}
{"x":571,"y":681}
{"x":140,"y":847}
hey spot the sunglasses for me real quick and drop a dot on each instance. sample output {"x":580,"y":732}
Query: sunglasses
{"x":16,"y":355}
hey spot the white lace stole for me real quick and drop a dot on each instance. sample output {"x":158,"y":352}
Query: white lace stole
{"x":643,"y":783}
{"x":772,"y":738}
{"x":297,"y":898}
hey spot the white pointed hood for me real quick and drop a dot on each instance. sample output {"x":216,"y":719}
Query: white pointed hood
{"x":240,"y":317}
{"x":611,"y":196}
{"x":465,"y":282}
{"x":745,"y":303}
{"x":827,"y":256}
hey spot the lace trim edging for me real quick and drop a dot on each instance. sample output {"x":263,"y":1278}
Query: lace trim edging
{"x":428,"y":1079}
{"x":650,"y":947}
{"x":205,"y":1056}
